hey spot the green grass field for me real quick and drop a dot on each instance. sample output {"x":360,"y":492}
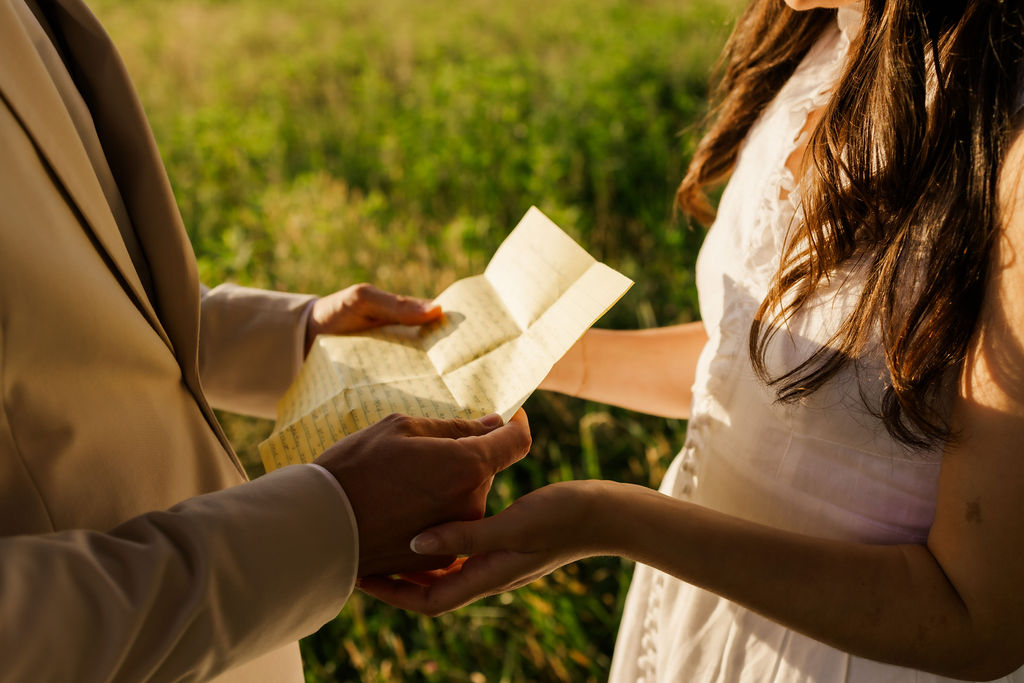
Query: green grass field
{"x":320,"y":143}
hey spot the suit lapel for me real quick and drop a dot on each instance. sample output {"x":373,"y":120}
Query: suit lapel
{"x":134,"y":161}
{"x":28,"y":90}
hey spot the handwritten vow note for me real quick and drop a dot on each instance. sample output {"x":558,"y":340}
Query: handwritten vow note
{"x":500,"y":335}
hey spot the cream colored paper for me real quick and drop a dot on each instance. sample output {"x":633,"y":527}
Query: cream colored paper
{"x":501,"y":333}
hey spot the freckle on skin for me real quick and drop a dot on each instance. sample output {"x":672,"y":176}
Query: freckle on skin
{"x":973,"y":511}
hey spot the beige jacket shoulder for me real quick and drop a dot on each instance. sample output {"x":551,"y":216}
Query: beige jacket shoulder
{"x":105,"y":427}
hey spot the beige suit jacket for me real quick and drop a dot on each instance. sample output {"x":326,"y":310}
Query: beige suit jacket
{"x":105,"y":425}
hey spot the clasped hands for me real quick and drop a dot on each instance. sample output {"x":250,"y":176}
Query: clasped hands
{"x":542,"y":531}
{"x":406,"y":474}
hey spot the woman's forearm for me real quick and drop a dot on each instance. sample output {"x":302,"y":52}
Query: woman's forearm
{"x":888,"y":603}
{"x":650,"y":371}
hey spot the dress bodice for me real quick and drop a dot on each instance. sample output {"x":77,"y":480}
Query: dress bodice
{"x":824,"y":465}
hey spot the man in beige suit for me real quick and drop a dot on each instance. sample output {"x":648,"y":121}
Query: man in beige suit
{"x":113,"y":566}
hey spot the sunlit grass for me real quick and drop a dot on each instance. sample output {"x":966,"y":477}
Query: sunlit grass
{"x":319,"y":143}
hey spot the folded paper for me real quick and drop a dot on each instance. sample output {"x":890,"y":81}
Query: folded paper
{"x":500,"y":335}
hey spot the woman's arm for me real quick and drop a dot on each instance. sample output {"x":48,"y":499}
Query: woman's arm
{"x":953,"y":606}
{"x":888,"y":603}
{"x":650,"y":371}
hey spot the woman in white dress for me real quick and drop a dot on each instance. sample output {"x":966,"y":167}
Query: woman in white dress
{"x":848,"y":502}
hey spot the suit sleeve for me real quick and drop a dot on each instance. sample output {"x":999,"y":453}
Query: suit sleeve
{"x":181,"y":594}
{"x":250,"y":346}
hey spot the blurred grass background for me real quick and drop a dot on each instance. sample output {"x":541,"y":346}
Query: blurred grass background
{"x":320,"y":143}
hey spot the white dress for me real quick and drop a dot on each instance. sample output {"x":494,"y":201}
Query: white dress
{"x":823,"y":467}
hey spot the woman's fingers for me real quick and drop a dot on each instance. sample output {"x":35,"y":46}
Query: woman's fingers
{"x":479,"y":577}
{"x":500,"y":532}
{"x":524,"y":542}
{"x":548,"y":520}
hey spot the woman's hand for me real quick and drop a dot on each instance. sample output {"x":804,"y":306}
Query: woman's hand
{"x":537,"y":534}
{"x":363,"y":307}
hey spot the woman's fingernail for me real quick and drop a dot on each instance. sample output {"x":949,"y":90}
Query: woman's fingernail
{"x":492,"y":420}
{"x":425,"y":544}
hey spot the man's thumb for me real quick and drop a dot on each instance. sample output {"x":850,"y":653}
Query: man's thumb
{"x":507,"y":444}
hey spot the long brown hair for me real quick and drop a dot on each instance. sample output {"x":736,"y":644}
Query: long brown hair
{"x":903,"y":172}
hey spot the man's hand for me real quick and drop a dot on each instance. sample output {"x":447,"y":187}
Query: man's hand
{"x":363,"y":307}
{"x":405,"y":474}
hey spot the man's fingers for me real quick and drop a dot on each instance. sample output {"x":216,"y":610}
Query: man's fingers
{"x":392,"y":308}
{"x":432,"y":576}
{"x":445,"y":429}
{"x":448,"y":593}
{"x":400,"y":593}
{"x":479,"y":577}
